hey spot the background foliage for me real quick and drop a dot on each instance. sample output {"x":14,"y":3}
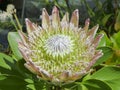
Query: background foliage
{"x":106,"y":71}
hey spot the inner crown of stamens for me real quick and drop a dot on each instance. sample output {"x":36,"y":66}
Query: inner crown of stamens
{"x":58,"y":45}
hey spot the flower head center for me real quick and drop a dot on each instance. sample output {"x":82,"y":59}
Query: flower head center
{"x":58,"y":45}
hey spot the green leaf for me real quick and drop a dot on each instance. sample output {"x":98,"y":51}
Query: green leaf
{"x":105,"y":41}
{"x":13,"y":37}
{"x":110,"y":75}
{"x":117,"y":23}
{"x":107,"y":54}
{"x":36,"y":4}
{"x":114,"y":84}
{"x":69,"y":85}
{"x":79,"y":86}
{"x":31,"y":87}
{"x":105,"y":19}
{"x":38,"y":84}
{"x":3,"y":63}
{"x":107,"y":73}
{"x":10,"y":67}
{"x":116,"y":40}
{"x":2,"y":77}
{"x":12,"y":83}
{"x":93,"y":84}
{"x":30,"y":84}
{"x":90,"y":11}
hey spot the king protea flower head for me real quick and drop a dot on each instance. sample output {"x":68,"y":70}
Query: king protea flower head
{"x":59,"y":51}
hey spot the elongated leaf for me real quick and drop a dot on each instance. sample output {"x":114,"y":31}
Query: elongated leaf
{"x":90,"y":11}
{"x":107,"y":54}
{"x":110,"y":75}
{"x":105,"y":19}
{"x":2,"y":77}
{"x":114,"y":84}
{"x":116,"y":40}
{"x":9,"y":66}
{"x":107,"y":73}
{"x":30,"y":84}
{"x":3,"y":64}
{"x":13,"y":37}
{"x":80,"y":86}
{"x":94,"y":84}
{"x":117,"y":23}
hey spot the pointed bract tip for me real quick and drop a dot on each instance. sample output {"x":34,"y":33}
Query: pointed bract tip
{"x":87,"y":21}
{"x":100,"y":35}
{"x":26,"y":19}
{"x":95,"y":28}
{"x":74,"y":19}
{"x":66,"y":17}
{"x":97,"y":40}
{"x":97,"y":25}
{"x":55,"y":9}
{"x":76,"y":12}
{"x":44,"y":11}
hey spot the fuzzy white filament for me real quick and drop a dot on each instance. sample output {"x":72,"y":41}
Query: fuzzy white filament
{"x":58,"y":45}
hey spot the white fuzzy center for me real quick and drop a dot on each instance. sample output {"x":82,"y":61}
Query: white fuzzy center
{"x":58,"y":45}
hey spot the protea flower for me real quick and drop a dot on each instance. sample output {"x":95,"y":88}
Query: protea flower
{"x":59,"y":51}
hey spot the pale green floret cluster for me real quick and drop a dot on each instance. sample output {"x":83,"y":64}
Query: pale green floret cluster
{"x":59,"y":52}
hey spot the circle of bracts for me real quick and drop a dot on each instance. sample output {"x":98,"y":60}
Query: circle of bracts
{"x":59,"y":51}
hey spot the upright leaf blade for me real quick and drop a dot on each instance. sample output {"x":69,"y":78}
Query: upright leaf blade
{"x":117,"y":23}
{"x":116,"y":40}
{"x":13,"y":39}
{"x":105,"y":19}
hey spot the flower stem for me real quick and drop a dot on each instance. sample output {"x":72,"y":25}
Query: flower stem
{"x":14,"y":24}
{"x":19,"y":25}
